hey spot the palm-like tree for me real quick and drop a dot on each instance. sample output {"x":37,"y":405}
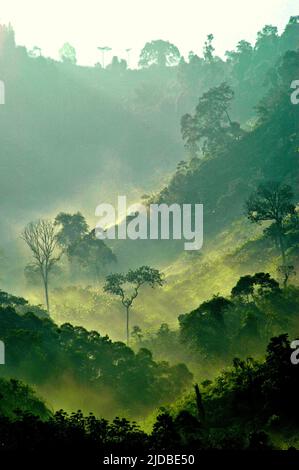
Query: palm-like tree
{"x":104,"y":49}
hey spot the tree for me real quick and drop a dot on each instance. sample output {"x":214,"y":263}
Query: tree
{"x":8,"y":299}
{"x":209,"y":49}
{"x":92,"y":253}
{"x":211,"y":127}
{"x":117,"y":65}
{"x":104,"y":49}
{"x":240,"y":59}
{"x":35,"y":52}
{"x":272,"y":201}
{"x":7,"y":40}
{"x":81,"y":245}
{"x":126,"y":286}
{"x":68,"y":53}
{"x":216,"y":308}
{"x":204,"y":329}
{"x":73,"y":227}
{"x":267,"y":40}
{"x":159,"y":52}
{"x":286,"y":272}
{"x":246,"y":286}
{"x":41,"y":238}
{"x":137,"y":333}
{"x":289,"y":38}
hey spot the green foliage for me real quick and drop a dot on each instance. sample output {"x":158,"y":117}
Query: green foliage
{"x":271,"y":201}
{"x":208,"y":48}
{"x":67,"y":53}
{"x":204,"y":328}
{"x":21,"y":305}
{"x":81,"y":245}
{"x":245,"y":287}
{"x":210,"y":128}
{"x":42,"y":353}
{"x":117,"y":65}
{"x":160,"y":53}
{"x":222,"y":178}
{"x":257,"y":309}
{"x":17,"y":398}
{"x":240,"y":409}
{"x":134,"y":116}
{"x":92,"y":254}
{"x":126,"y":286}
{"x":72,"y":228}
{"x":8,"y":299}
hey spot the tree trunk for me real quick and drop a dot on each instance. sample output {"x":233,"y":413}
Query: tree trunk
{"x":286,"y":278}
{"x":128,"y":334}
{"x":47,"y":293}
{"x":199,"y":404}
{"x":281,"y":245}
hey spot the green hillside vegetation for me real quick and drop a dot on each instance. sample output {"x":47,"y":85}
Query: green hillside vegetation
{"x":250,"y":406}
{"x":84,"y":124}
{"x":84,"y":369}
{"x":18,"y":399}
{"x":140,"y":344}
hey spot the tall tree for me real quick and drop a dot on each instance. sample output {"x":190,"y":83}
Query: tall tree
{"x":159,"y":52}
{"x":73,"y":227}
{"x":68,"y":53}
{"x":209,"y":49}
{"x":211,"y":127}
{"x":41,"y":238}
{"x":261,"y":282}
{"x":103,"y":50}
{"x":240,"y":59}
{"x":127,"y":286}
{"x":272,"y":201}
{"x":80,"y":244}
{"x":92,"y":254}
{"x":267,"y":40}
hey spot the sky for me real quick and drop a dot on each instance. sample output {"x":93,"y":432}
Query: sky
{"x":123,"y":24}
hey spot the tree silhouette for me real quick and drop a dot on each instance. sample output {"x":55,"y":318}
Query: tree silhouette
{"x":68,"y":53}
{"x":126,"y":286}
{"x":246,"y":285}
{"x":159,"y":52}
{"x":210,"y":128}
{"x":104,"y":49}
{"x":81,"y":245}
{"x":272,"y":201}
{"x":8,"y":299}
{"x":209,"y":49}
{"x":41,"y":238}
{"x":286,"y":271}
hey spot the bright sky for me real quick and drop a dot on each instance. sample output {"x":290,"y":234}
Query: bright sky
{"x":123,"y":24}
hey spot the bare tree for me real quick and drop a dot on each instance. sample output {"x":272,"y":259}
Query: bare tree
{"x":41,"y":238}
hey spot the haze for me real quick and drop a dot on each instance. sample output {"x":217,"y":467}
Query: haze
{"x":129,"y":24}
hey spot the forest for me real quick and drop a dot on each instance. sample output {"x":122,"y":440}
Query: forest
{"x":128,"y":347}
